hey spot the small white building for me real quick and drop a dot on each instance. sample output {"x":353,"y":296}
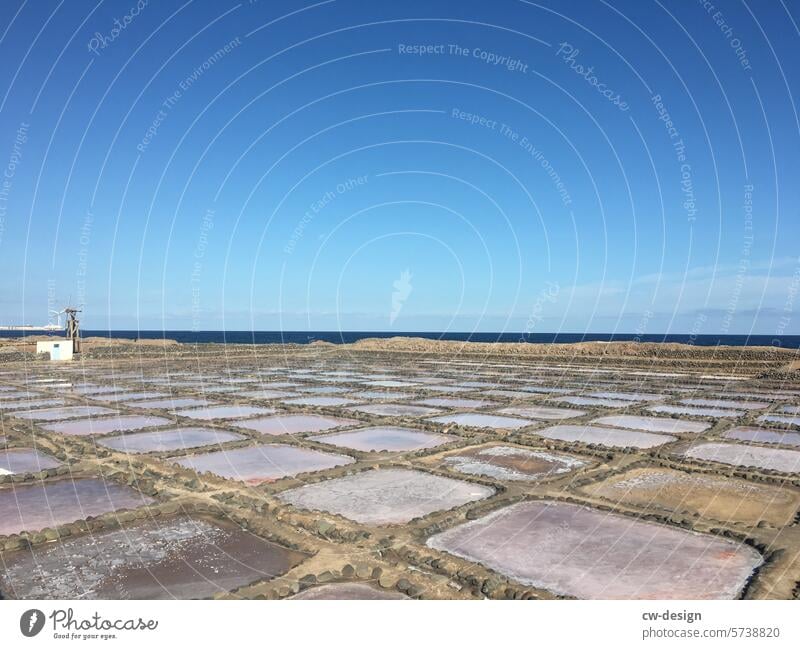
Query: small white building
{"x":60,"y":349}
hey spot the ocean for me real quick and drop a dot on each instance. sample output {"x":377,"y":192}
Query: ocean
{"x":305,"y":337}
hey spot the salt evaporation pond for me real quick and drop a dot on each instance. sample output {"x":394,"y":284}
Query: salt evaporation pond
{"x":103,"y":426}
{"x":69,"y":412}
{"x":628,"y":396}
{"x":593,"y":401}
{"x":170,"y":404}
{"x":322,"y":389}
{"x":49,"y":504}
{"x":395,"y":410}
{"x":762,"y":436}
{"x":319,"y":401}
{"x":604,"y":436}
{"x":444,"y":402}
{"x":169,"y":440}
{"x":279,"y":385}
{"x":512,"y":463}
{"x":266,"y":394}
{"x":390,"y":384}
{"x":792,"y":410}
{"x":212,"y":389}
{"x":697,"y":411}
{"x":128,"y":396}
{"x":256,"y":464}
{"x":13,"y":394}
{"x":576,"y":551}
{"x":350,"y":591}
{"x":293,"y":424}
{"x":385,"y":496}
{"x":33,"y":403}
{"x":477,"y":384}
{"x":478,"y":420}
{"x":25,"y":460}
{"x":381,"y":396}
{"x":446,"y":388}
{"x":726,"y":403}
{"x":508,"y":394}
{"x":182,"y":558}
{"x":87,"y":388}
{"x":542,"y":412}
{"x":385,"y":438}
{"x":775,"y":459}
{"x":653,"y":424}
{"x":546,"y":390}
{"x":224,"y":412}
{"x":719,"y":498}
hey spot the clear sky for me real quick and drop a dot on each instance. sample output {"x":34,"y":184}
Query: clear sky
{"x":621,"y":166}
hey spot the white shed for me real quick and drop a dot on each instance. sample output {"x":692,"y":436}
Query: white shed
{"x":60,"y":349}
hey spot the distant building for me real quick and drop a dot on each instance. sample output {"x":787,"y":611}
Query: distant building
{"x":60,"y":349}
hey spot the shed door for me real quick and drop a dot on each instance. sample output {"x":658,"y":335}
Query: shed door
{"x":55,"y":354}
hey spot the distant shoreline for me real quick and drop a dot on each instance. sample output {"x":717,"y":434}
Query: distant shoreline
{"x":348,"y":337}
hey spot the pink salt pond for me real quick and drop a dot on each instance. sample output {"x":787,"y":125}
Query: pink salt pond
{"x":508,"y":394}
{"x":13,"y":394}
{"x":293,"y":424}
{"x":385,"y":438}
{"x":512,"y":463}
{"x":169,"y":440}
{"x":265,"y":463}
{"x":169,"y":404}
{"x":628,"y":396}
{"x":319,"y":401}
{"x":542,"y":412}
{"x":322,"y":389}
{"x":87,"y":388}
{"x":266,"y":394}
{"x":108,"y":425}
{"x":726,"y":403}
{"x":32,"y":403}
{"x":385,"y":496}
{"x":128,"y":396}
{"x":444,"y":402}
{"x":697,"y":411}
{"x":178,"y":558}
{"x":653,"y":424}
{"x":581,"y":552}
{"x":69,"y":412}
{"x":615,"y":437}
{"x":775,"y":459}
{"x":476,"y":420}
{"x":763,"y":436}
{"x":390,"y":383}
{"x":595,"y":401}
{"x":25,"y":460}
{"x":224,"y":412}
{"x":49,"y":504}
{"x":381,"y":396}
{"x":395,"y":410}
{"x":446,"y":388}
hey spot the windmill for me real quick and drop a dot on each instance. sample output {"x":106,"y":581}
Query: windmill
{"x":73,"y":328}
{"x":55,"y":315}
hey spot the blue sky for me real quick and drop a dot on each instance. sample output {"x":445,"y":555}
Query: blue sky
{"x":619,"y":166}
